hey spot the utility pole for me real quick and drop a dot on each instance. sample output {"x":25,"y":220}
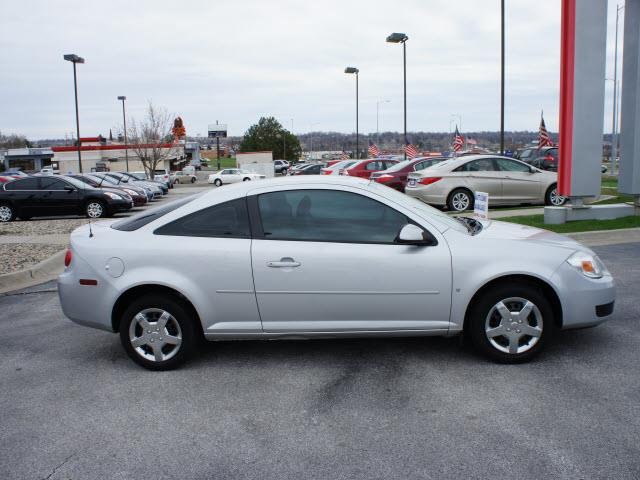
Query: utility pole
{"x":614,"y":123}
{"x":502,"y":80}
{"x":218,"y":147}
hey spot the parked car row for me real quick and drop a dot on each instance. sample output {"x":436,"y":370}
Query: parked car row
{"x":95,"y":194}
{"x":233,"y":175}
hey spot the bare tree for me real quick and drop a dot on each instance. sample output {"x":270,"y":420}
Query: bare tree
{"x":151,"y":138}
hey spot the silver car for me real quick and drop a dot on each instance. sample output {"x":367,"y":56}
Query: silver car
{"x":452,"y":183}
{"x":326,"y":256}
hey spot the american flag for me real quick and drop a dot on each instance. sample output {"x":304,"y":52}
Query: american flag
{"x":374,"y":151}
{"x":544,"y":140}
{"x":458,"y":141}
{"x":344,"y":155}
{"x":410,"y":150}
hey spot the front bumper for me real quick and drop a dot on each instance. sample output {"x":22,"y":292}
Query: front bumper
{"x":586,"y":302}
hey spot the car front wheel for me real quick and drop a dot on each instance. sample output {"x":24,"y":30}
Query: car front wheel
{"x":552,"y":197}
{"x":157,"y":332}
{"x":460,"y":200}
{"x":96,"y":209}
{"x":217,"y":182}
{"x":510,"y":323}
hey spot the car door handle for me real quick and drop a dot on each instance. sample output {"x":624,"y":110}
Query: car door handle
{"x":284,"y":262}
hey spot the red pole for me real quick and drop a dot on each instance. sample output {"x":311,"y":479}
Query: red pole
{"x":567,"y":64}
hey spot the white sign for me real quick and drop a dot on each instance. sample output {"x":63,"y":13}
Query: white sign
{"x":216,"y":130}
{"x":481,"y":205}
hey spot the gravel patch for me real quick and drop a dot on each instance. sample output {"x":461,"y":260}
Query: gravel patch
{"x":42,"y":227}
{"x":20,"y":256}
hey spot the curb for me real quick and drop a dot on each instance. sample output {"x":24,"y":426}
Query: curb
{"x":44,"y":271}
{"x":607,"y":237}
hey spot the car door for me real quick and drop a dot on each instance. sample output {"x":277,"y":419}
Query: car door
{"x":56,"y":199}
{"x":519,"y":184}
{"x":326,"y":260}
{"x":482,"y":175}
{"x":25,"y":195}
{"x":216,"y":255}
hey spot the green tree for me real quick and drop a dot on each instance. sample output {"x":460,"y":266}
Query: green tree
{"x":13,"y":141}
{"x":268,"y":134}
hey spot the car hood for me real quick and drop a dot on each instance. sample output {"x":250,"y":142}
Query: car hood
{"x":513,"y":231}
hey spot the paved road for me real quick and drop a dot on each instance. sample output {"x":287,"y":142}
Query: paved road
{"x":74,"y":407}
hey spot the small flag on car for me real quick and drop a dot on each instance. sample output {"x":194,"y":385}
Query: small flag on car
{"x":458,"y":141}
{"x":374,"y":151}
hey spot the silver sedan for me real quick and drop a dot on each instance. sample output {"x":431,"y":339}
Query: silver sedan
{"x":326,"y":256}
{"x":453,"y":183}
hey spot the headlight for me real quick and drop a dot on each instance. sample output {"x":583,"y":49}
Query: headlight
{"x":113,"y":196}
{"x":587,"y":264}
{"x":133,"y":193}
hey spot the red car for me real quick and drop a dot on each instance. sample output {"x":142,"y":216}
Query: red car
{"x":396,"y":176}
{"x":364,"y":168}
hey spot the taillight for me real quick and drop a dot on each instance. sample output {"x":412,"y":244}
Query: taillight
{"x":344,"y":171}
{"x":325,"y":172}
{"x":383,"y":178}
{"x":68,"y":257}
{"x":429,"y":180}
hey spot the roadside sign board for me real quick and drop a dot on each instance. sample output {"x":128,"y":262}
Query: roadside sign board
{"x":481,"y":205}
{"x":216,"y":130}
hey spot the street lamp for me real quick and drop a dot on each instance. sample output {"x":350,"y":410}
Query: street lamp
{"x":355,"y":71}
{"x":377,"y":118}
{"x":124,"y":121}
{"x":402,"y":38}
{"x":73,"y":58}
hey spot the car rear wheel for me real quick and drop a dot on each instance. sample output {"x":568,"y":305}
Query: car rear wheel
{"x":96,"y":209}
{"x":460,"y":200}
{"x":193,"y":179}
{"x":246,"y":179}
{"x":217,"y":182}
{"x":510,"y":323}
{"x":7,"y":213}
{"x":157,"y":332}
{"x":553,"y":198}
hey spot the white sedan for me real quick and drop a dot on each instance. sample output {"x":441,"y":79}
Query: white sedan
{"x":233,"y":175}
{"x":326,"y":256}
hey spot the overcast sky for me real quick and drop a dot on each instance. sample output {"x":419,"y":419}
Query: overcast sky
{"x":235,"y":61}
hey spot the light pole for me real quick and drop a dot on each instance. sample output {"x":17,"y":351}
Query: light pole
{"x":73,"y":58}
{"x":377,"y":120}
{"x":355,"y":71}
{"x":124,"y":121}
{"x":614,"y":124}
{"x":501,"y":78}
{"x":402,"y":38}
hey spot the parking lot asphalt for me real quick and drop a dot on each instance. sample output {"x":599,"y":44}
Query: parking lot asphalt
{"x":73,"y":406}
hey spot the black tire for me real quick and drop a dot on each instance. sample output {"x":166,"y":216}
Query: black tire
{"x":96,"y":209}
{"x":7,"y":213}
{"x":193,"y":179}
{"x":455,"y":200}
{"x":246,"y":179}
{"x":551,"y":197}
{"x":217,"y":182}
{"x":484,"y":315}
{"x":180,"y":315}
{"x":284,"y":171}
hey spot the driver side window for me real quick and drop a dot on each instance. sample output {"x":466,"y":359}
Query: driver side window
{"x":328,"y":216}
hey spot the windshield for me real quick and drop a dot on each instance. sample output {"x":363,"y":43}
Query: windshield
{"x":78,"y":183}
{"x":399,"y":166}
{"x":102,"y":179}
{"x":420,"y":207}
{"x":88,"y":181}
{"x":139,"y":176}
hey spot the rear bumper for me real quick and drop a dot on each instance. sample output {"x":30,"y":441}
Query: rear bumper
{"x":426,"y":196}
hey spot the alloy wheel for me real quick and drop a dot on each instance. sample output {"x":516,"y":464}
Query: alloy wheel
{"x":155,"y":335}
{"x":94,"y":210}
{"x":5,"y":213}
{"x":555,"y":199}
{"x":514,"y":325}
{"x":460,"y":201}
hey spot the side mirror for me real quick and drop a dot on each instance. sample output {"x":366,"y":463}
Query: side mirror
{"x":533,"y":170}
{"x":411,"y":234}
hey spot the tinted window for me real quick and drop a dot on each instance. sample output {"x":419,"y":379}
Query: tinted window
{"x":372,"y":166}
{"x":133,"y":223}
{"x":511,"y":166}
{"x":229,"y":219}
{"x":482,"y":165}
{"x":525,"y":154}
{"x":328,"y":216}
{"x":23,"y":184}
{"x":49,"y":183}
